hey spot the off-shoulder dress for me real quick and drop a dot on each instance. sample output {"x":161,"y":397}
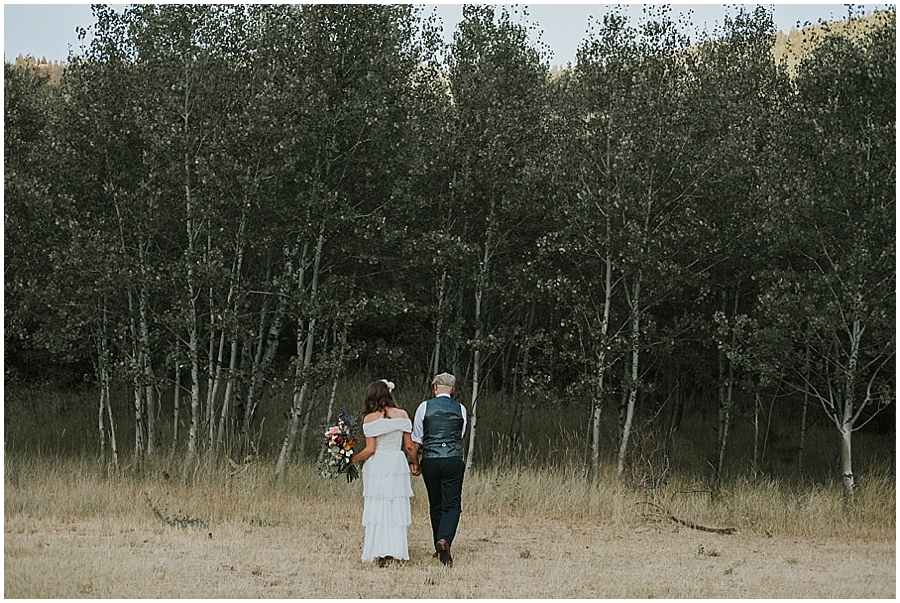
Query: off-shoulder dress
{"x":386,"y":491}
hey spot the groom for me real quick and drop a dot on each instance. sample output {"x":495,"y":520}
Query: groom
{"x":438,"y":429}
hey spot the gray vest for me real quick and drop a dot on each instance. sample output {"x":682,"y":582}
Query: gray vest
{"x":443,"y":426}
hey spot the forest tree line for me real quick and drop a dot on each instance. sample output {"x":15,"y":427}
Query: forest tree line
{"x":214,"y":196}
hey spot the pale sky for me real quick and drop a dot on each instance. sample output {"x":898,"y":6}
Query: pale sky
{"x":48,"y":30}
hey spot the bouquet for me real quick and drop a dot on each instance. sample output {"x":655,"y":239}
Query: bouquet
{"x":340,"y":443}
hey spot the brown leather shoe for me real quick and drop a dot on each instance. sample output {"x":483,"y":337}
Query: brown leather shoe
{"x":443,"y":551}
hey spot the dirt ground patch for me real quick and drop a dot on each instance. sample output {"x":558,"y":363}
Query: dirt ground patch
{"x":494,"y":558}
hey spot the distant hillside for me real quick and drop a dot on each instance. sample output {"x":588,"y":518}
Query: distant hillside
{"x":53,"y":69}
{"x":796,"y":44}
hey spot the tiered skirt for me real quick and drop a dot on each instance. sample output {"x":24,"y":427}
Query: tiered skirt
{"x":386,"y":509}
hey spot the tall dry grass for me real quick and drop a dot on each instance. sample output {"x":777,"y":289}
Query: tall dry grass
{"x":72,"y":530}
{"x":216,"y":493}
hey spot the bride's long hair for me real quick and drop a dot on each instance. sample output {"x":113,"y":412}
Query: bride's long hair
{"x":378,"y":399}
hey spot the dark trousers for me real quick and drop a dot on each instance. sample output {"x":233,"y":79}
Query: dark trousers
{"x":443,"y":479}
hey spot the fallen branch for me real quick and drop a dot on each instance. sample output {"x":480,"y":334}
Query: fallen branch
{"x":694,"y":526}
{"x":660,"y":512}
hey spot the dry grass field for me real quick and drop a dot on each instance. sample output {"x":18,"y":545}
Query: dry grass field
{"x":72,"y":533}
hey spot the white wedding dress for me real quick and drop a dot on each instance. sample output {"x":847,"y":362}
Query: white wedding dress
{"x":386,"y":491}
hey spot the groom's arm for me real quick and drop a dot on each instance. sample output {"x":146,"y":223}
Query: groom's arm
{"x":418,"y":426}
{"x":418,"y":433}
{"x":412,"y":451}
{"x":412,"y":454}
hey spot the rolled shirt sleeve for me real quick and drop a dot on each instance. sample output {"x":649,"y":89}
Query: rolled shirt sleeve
{"x":418,"y":429}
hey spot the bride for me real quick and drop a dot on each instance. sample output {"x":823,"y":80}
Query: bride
{"x":386,"y":487}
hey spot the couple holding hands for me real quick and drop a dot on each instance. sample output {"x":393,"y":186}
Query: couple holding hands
{"x":435,"y":436}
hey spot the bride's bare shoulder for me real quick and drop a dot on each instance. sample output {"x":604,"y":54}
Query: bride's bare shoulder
{"x":398,"y":413}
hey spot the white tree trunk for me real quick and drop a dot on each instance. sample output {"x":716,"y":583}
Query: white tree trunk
{"x":194,"y":354}
{"x":438,"y":329}
{"x":755,"y":434}
{"x":177,"y":396}
{"x":301,"y":446}
{"x":267,"y":346}
{"x":104,"y":393}
{"x":193,"y":345}
{"x":229,"y":395}
{"x":597,"y":402}
{"x":214,"y":385}
{"x":725,"y":401}
{"x":803,"y":417}
{"x":147,"y":369}
{"x":232,"y":365}
{"x":114,"y":448}
{"x":290,"y":438}
{"x":138,"y":404}
{"x":192,"y":231}
{"x":138,"y":426}
{"x":473,"y":413}
{"x":848,"y":416}
{"x":214,"y":373}
{"x":104,"y":406}
{"x":847,"y":478}
{"x":635,"y":365}
{"x":596,"y":412}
